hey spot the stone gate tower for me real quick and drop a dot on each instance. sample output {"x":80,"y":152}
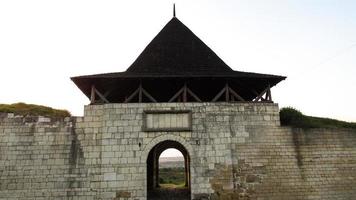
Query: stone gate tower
{"x":177,"y":94}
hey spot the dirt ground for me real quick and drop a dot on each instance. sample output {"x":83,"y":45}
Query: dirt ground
{"x":169,"y":193}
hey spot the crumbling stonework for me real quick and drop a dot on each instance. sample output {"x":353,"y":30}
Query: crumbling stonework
{"x":40,"y":158}
{"x":236,"y":151}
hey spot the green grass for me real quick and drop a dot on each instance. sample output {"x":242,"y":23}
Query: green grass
{"x":33,"y":110}
{"x":169,"y":177}
{"x":292,"y":117}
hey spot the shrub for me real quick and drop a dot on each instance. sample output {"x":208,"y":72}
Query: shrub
{"x":292,"y":117}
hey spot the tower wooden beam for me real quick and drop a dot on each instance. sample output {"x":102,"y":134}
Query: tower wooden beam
{"x":218,"y":95}
{"x":148,"y":95}
{"x":227,"y":99}
{"x":234,"y":94}
{"x":193,"y":95}
{"x":92,"y":94}
{"x":183,"y":94}
{"x":176,"y":95}
{"x":230,"y":94}
{"x":260,"y":96}
{"x":102,"y":97}
{"x":269,"y":94}
{"x":132,"y":95}
{"x":140,"y":91}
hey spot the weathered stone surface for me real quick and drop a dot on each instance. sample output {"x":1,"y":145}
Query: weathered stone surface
{"x":123,"y":194}
{"x":252,"y":179}
{"x":236,"y":151}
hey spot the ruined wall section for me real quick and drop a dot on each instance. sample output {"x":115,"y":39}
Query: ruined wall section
{"x":285,"y":163}
{"x":40,"y":158}
{"x":225,"y":127}
{"x":246,"y":154}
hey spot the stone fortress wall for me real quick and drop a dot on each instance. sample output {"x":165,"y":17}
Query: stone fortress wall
{"x":40,"y":158}
{"x":236,"y":151}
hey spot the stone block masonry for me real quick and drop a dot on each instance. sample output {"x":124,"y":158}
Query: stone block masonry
{"x":236,"y":151}
{"x":40,"y":158}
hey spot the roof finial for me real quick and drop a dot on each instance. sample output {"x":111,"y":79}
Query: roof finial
{"x":174,"y":10}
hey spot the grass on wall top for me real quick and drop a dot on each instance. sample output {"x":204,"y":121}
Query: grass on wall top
{"x":33,"y":110}
{"x":292,"y":117}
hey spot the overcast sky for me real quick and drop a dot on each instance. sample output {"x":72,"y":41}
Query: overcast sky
{"x":312,"y":42}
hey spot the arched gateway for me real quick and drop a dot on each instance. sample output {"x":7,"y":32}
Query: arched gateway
{"x":153,"y":188}
{"x":151,"y":153}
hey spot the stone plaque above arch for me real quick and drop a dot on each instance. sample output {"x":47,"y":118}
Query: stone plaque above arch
{"x":167,"y":120}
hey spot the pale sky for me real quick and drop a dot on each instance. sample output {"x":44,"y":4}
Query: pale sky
{"x":171,"y":152}
{"x":312,"y":42}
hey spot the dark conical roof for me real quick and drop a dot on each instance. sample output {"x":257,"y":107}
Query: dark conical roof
{"x":174,"y":57}
{"x":177,"y":49}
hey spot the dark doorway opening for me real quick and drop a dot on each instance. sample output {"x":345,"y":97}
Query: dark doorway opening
{"x":155,"y":188}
